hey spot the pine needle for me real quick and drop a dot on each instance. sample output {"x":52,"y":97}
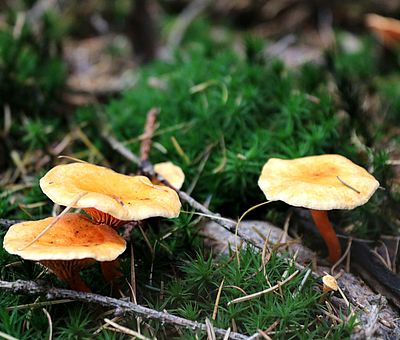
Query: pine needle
{"x":72,"y":159}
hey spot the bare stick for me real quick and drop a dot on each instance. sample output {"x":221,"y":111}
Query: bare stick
{"x":32,"y":288}
{"x":149,"y":128}
{"x":117,"y":146}
{"x":8,"y":223}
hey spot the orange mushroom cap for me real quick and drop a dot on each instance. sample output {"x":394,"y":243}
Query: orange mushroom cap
{"x":386,"y":29}
{"x":171,"y":172}
{"x":73,"y":237}
{"x":322,"y":182}
{"x":128,"y":198}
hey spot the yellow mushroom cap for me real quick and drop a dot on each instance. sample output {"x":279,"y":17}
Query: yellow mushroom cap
{"x":128,"y":198}
{"x":171,"y":172}
{"x":322,"y":182}
{"x":72,"y":237}
{"x":329,"y":283}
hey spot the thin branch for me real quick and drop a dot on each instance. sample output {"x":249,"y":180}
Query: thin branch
{"x":8,"y":223}
{"x":32,"y":288}
{"x":149,"y":129}
{"x":117,"y":146}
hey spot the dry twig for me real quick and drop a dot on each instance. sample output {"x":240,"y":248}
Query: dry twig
{"x":149,"y":129}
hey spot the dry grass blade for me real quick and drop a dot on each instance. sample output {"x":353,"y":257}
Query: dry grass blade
{"x":265,"y":291}
{"x":6,"y":336}
{"x":133,"y":273}
{"x":344,"y":297}
{"x":38,"y":304}
{"x":45,"y":230}
{"x":88,"y":143}
{"x":264,"y":334}
{"x":180,"y":151}
{"x":214,"y":316}
{"x":228,"y":332}
{"x":72,"y":159}
{"x":105,"y":325}
{"x":240,"y":219}
{"x":50,"y":323}
{"x":307,"y":274}
{"x":126,"y":330}
{"x":343,"y":256}
{"x":332,"y":316}
{"x":286,"y":227}
{"x":210,"y":330}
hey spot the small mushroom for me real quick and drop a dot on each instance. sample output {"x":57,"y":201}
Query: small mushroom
{"x":329,"y":284}
{"x":73,"y":243}
{"x":109,"y":197}
{"x":386,"y":29}
{"x":319,"y":183}
{"x":171,"y":172}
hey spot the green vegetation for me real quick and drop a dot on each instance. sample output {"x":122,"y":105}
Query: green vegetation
{"x":223,"y":114}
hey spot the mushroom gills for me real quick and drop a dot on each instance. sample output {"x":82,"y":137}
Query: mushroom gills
{"x":100,"y":217}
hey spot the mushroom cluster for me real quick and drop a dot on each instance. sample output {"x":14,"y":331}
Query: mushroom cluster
{"x":75,"y":240}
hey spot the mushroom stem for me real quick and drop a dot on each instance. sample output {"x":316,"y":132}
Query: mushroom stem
{"x":76,"y":283}
{"x":111,"y":270}
{"x":327,"y":232}
{"x":69,"y":272}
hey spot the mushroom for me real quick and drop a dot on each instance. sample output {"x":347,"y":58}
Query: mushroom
{"x":73,"y":243}
{"x":319,"y":183}
{"x":171,"y":172}
{"x":386,"y":29}
{"x":329,"y":284}
{"x":110,"y":198}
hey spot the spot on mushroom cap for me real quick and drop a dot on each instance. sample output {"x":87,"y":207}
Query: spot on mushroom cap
{"x":72,"y":237}
{"x":317,"y":182}
{"x":124,"y":197}
{"x":171,"y":172}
